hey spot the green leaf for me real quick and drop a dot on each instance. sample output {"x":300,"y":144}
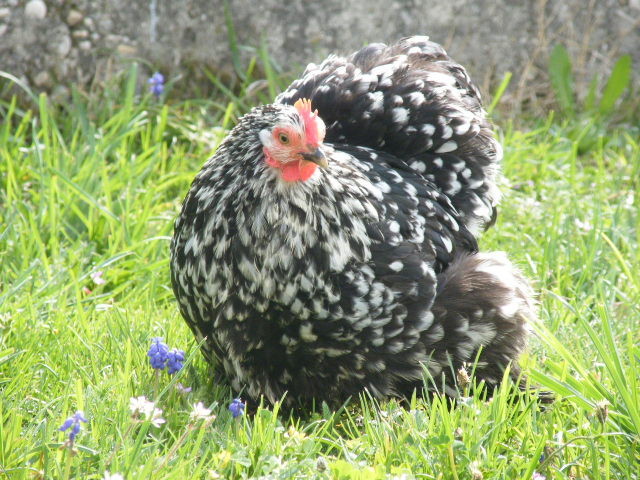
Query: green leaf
{"x":590,"y":99}
{"x":499,"y":91}
{"x":561,"y":78}
{"x":616,"y":84}
{"x":231,"y":36}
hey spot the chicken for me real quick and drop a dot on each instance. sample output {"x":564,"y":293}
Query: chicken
{"x":324,"y":253}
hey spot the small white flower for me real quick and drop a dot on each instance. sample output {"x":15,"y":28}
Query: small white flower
{"x":140,"y":405}
{"x":97,"y":277}
{"x":586,"y":226}
{"x":200,"y":413}
{"x":156,"y":419}
{"x":114,"y":476}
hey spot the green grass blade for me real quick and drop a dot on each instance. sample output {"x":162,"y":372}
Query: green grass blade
{"x":616,"y":84}
{"x":561,"y":78}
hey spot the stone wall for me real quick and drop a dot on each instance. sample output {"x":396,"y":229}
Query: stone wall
{"x":51,"y":42}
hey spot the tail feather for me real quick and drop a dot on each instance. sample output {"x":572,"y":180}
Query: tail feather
{"x":483,"y":301}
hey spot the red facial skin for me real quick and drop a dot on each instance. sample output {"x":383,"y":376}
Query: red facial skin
{"x":288,"y":145}
{"x":286,"y":156}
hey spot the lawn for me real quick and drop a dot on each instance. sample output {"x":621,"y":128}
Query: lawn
{"x":93,"y":185}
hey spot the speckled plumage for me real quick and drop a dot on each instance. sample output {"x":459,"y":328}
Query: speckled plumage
{"x":367,"y":273}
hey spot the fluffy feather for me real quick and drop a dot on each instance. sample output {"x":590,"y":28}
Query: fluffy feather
{"x":366,"y":273}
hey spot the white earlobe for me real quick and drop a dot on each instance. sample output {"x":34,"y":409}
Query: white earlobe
{"x":265,"y":137}
{"x":322,"y":130}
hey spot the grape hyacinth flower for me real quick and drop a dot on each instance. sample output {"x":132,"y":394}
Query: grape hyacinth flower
{"x":73,"y":422}
{"x":174,"y":360}
{"x":156,"y":84}
{"x":157,"y":354}
{"x":236,"y":408}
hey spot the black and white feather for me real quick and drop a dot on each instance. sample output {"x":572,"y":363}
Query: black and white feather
{"x":412,"y":101}
{"x":367,"y":273}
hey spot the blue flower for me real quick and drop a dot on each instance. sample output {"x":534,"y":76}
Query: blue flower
{"x":174,"y":360}
{"x":157,"y":353}
{"x":73,"y":422}
{"x":236,"y":408}
{"x":156,"y":84}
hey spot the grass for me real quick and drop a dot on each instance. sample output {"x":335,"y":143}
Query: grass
{"x":94,"y":185}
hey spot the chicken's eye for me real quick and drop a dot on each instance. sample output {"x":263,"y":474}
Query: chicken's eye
{"x":283,"y":138}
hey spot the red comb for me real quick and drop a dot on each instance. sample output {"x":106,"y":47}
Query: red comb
{"x":303,"y":106}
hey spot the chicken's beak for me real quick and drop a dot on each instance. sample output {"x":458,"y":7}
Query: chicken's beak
{"x":317,"y":156}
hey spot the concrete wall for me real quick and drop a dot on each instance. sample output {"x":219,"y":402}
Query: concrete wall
{"x":46,"y":42}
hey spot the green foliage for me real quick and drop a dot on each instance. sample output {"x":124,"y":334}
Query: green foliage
{"x":95,"y":185}
{"x":497,"y":95}
{"x":587,"y":123}
{"x":231,"y":36}
{"x":562,"y":83}
{"x":561,"y":78}
{"x":616,"y":84}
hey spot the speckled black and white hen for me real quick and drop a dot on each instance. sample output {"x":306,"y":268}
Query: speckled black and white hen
{"x":363,"y":273}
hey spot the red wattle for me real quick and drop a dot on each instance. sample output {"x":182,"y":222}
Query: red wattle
{"x":291,"y":171}
{"x":300,"y":170}
{"x":306,"y":170}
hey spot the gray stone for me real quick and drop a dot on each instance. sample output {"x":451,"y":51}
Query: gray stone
{"x":5,"y":12}
{"x":42,"y":79}
{"x":60,"y":93}
{"x":113,"y":40}
{"x":126,"y":50}
{"x":61,"y":43}
{"x":80,"y":34}
{"x":3,"y":29}
{"x":35,"y":9}
{"x":74,"y":17}
{"x":488,"y":37}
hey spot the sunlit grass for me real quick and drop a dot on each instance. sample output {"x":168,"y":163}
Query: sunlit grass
{"x":95,"y":186}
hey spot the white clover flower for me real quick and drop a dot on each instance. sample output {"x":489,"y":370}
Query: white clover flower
{"x":201,"y":413}
{"x":97,"y":278}
{"x":156,"y":418}
{"x":113,"y":476}
{"x":140,"y":405}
